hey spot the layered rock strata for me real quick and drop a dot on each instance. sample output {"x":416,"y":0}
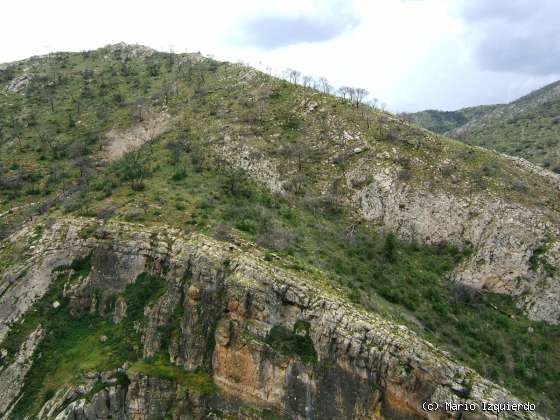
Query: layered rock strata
{"x":363,"y":366}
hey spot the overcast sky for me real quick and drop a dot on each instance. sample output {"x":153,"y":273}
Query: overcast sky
{"x":411,"y":54}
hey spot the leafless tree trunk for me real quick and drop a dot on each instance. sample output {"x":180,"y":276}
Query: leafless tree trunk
{"x":292,"y":75}
{"x":325,"y":86}
{"x":360,"y":95}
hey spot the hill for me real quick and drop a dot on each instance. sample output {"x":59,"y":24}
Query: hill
{"x":442,"y":122}
{"x":528,"y":127}
{"x":186,"y":237}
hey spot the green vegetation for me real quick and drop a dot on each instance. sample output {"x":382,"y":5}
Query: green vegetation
{"x":438,"y":121}
{"x":528,"y":128}
{"x":53,"y":133}
{"x":444,"y":121}
{"x":43,"y":311}
{"x":196,"y":381}
{"x":75,"y":345}
{"x":406,"y":281}
{"x":145,"y":291}
{"x":87,"y":231}
{"x":538,"y":262}
{"x":72,"y":345}
{"x":53,"y":162}
{"x":295,"y":342}
{"x":533,"y":134}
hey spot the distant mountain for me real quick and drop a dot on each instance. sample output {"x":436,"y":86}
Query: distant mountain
{"x":444,"y":121}
{"x":528,"y":127}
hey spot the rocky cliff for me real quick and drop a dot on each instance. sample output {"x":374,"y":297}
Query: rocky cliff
{"x":220,"y":312}
{"x":515,"y":240}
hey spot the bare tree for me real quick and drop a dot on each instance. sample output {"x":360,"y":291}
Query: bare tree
{"x":185,"y":67}
{"x":52,"y":144}
{"x":300,"y":152}
{"x":261,"y":109}
{"x":84,"y":164}
{"x":175,"y":148}
{"x":368,"y":120}
{"x":139,"y":110}
{"x":134,"y":168}
{"x":307,"y":81}
{"x":359,"y":95}
{"x":325,"y":86}
{"x":167,"y":91}
{"x":352,"y":94}
{"x":78,"y":104}
{"x":170,"y":58}
{"x":135,"y":162}
{"x":344,"y":91}
{"x":50,"y":99}
{"x":17,"y":130}
{"x":292,"y":75}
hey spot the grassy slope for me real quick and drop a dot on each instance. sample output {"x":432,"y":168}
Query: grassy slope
{"x":194,"y":190}
{"x":533,"y":135}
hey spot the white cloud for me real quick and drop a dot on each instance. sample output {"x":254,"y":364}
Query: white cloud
{"x":515,"y":36}
{"x":277,"y":29}
{"x":410,"y":54}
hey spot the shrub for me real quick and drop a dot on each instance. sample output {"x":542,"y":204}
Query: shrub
{"x":87,"y":231}
{"x":222,"y":232}
{"x":295,"y":342}
{"x":179,"y":174}
{"x":276,"y":238}
{"x":405,"y":174}
{"x":122,"y":378}
{"x":389,"y":247}
{"x":138,"y":186}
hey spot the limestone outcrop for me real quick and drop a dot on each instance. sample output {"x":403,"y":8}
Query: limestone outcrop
{"x":223,"y":303}
{"x":12,"y":376}
{"x":515,"y":246}
{"x":511,"y":245}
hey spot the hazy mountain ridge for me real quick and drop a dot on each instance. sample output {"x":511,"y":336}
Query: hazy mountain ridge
{"x":442,"y":122}
{"x":370,"y":209}
{"x":529,"y":127}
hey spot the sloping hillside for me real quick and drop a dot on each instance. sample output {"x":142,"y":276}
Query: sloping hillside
{"x":118,"y":165}
{"x":442,"y":122}
{"x":528,"y":127}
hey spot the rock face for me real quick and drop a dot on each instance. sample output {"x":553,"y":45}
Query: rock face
{"x":121,"y":141}
{"x":19,"y":83}
{"x":230,"y":302}
{"x":13,"y":375}
{"x":143,"y":398}
{"x":504,"y":237}
{"x":550,"y":177}
{"x":515,"y":247}
{"x":22,"y":285}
